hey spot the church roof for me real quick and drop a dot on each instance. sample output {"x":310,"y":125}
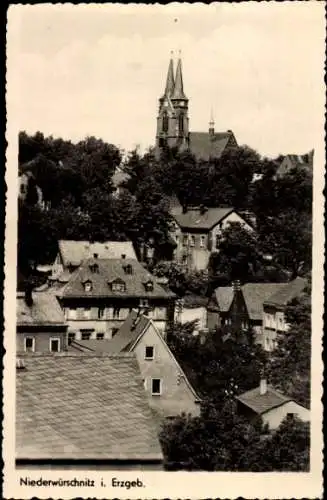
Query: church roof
{"x":170,"y":82}
{"x":205,"y":146}
{"x":178,"y":92}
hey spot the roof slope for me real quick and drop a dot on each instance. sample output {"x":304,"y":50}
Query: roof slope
{"x":45,"y":310}
{"x":74,"y":252}
{"x":110,"y":270}
{"x":289,"y":292}
{"x":194,"y":219}
{"x":205,"y":146}
{"x":261,"y":403}
{"x":83,"y":407}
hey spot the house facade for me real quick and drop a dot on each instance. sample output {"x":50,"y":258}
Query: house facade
{"x":274,"y":320}
{"x":197,"y":233}
{"x":101,"y":293}
{"x":91,"y":412}
{"x":292,"y":161}
{"x":271,"y":405}
{"x":168,"y":389}
{"x":40,"y":323}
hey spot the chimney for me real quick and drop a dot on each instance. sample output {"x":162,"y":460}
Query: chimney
{"x":123,"y":256}
{"x":95,"y":255}
{"x":263,"y":386}
{"x":203,"y":209}
{"x":28,"y":295}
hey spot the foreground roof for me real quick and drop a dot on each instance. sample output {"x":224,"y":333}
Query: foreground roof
{"x":74,"y":252}
{"x":205,"y":146}
{"x":289,"y":292}
{"x":45,"y":310}
{"x":193,"y":218}
{"x":261,"y":403}
{"x":87,"y":407}
{"x":109,"y":271}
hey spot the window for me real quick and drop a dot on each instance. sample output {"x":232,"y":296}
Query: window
{"x":144,"y":303}
{"x":87,"y":313}
{"x":181,"y":123}
{"x":54,"y":345}
{"x":86,"y":334}
{"x":88,"y":286}
{"x":71,"y":313}
{"x":202,"y":241}
{"x":156,"y":386}
{"x":290,"y":416}
{"x":114,"y":331}
{"x":29,"y":344}
{"x":185,"y":240}
{"x":149,"y":352}
{"x":165,"y":122}
{"x":100,"y":312}
{"x":116,"y":312}
{"x":128,"y":269}
{"x":149,"y":286}
{"x":118,"y":286}
{"x":100,"y":336}
{"x":71,"y":337}
{"x":162,"y":142}
{"x":192,"y":241}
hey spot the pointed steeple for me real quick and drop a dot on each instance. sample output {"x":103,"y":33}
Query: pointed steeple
{"x":211,"y":124}
{"x":178,"y":89}
{"x":170,"y":82}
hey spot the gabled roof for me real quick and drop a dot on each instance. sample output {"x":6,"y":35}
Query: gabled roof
{"x":289,"y":292}
{"x":109,"y":270}
{"x":224,"y":297}
{"x":256,"y":293}
{"x":87,"y":407}
{"x":261,"y":403}
{"x":205,"y":146}
{"x":74,"y":252}
{"x":194,"y":219}
{"x":45,"y":310}
{"x":129,"y":332}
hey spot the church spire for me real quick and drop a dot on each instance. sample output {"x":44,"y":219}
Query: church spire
{"x":170,"y":83}
{"x":178,"y":89}
{"x":211,"y":124}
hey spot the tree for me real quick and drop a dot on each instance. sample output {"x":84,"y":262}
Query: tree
{"x":290,"y":364}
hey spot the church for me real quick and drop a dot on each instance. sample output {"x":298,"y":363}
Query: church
{"x":173,"y":122}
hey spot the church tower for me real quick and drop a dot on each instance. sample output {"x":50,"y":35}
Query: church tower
{"x":172,"y":120}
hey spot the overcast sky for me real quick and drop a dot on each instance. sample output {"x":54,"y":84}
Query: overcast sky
{"x":99,"y":70}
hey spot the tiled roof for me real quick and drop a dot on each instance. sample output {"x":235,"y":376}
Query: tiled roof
{"x":194,"y":219}
{"x":261,"y":403}
{"x":129,"y":332}
{"x":224,"y":296}
{"x":83,"y":407}
{"x":289,"y":292}
{"x":204,"y":146}
{"x":92,"y":345}
{"x":256,"y":293}
{"x":110,"y":270}
{"x":45,"y":310}
{"x":74,"y":252}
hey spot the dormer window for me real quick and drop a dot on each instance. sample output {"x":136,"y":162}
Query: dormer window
{"x":88,"y":286}
{"x":118,"y":286}
{"x":94,"y":267}
{"x":148,"y":286}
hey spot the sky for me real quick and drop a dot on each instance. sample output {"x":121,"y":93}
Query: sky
{"x":75,"y":71}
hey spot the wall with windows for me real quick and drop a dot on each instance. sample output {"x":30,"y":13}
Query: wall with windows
{"x":41,"y":341}
{"x":274,"y":323}
{"x":275,"y":416}
{"x":164,"y":383}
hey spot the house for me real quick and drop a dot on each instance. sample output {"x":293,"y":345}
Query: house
{"x":173,"y":122}
{"x":83,"y":412}
{"x":293,"y":161}
{"x":169,"y":391}
{"x":271,"y":405}
{"x":72,"y":253}
{"x":192,"y":308}
{"x":274,"y":321}
{"x":101,"y":293}
{"x":197,"y":233}
{"x":118,"y":179}
{"x":40,"y":323}
{"x":241,"y":306}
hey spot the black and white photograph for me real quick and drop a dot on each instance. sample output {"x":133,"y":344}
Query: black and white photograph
{"x":164,"y":250}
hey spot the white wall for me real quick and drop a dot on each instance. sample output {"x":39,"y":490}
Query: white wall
{"x":275,"y":416}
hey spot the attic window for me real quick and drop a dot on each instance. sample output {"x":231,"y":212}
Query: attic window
{"x":156,"y":387}
{"x":148,"y":286}
{"x":94,"y":268}
{"x":88,"y":286}
{"x":149,"y":352}
{"x":118,"y":286}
